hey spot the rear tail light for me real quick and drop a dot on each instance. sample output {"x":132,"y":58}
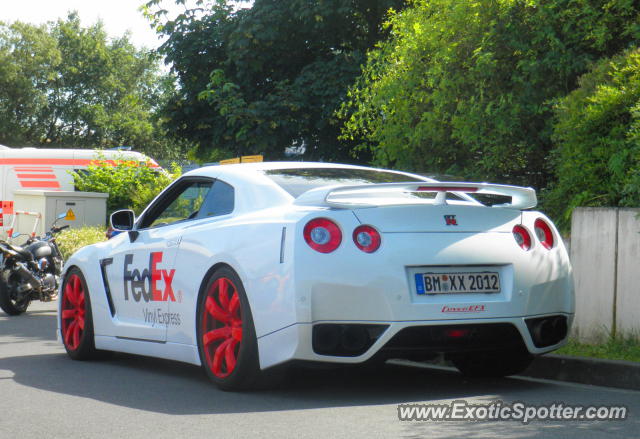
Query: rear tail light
{"x":457,"y":333}
{"x":366,"y":238}
{"x":522,"y":237}
{"x":322,"y":235}
{"x":544,"y":233}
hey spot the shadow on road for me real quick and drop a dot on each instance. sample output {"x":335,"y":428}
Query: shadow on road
{"x":165,"y":387}
{"x":36,"y":324}
{"x":171,"y":387}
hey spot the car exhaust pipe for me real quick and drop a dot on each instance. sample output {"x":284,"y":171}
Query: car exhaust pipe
{"x":547,"y":331}
{"x":354,"y":339}
{"x":326,"y":338}
{"x":345,"y":340}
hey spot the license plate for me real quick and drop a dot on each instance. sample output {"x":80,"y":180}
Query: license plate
{"x":458,"y":283}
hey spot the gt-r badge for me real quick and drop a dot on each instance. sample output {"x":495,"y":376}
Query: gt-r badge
{"x":450,"y":220}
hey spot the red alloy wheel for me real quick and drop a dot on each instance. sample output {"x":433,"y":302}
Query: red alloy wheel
{"x":73,"y":311}
{"x":222,"y":327}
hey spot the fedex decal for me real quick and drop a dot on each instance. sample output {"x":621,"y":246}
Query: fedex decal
{"x":144,"y":285}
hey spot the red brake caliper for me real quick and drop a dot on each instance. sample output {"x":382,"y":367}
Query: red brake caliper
{"x":73,"y":308}
{"x":222,"y":327}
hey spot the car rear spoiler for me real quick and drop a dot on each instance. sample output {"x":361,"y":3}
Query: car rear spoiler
{"x":348,"y":197}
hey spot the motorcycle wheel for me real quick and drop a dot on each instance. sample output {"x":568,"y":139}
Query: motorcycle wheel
{"x":9,"y":305}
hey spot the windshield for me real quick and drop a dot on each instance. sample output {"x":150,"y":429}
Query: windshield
{"x":299,"y":181}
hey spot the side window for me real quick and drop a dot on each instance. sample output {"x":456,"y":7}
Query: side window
{"x":219,"y":201}
{"x":185,"y":204}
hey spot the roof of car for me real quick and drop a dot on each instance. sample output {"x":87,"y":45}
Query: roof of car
{"x":261,"y":190}
{"x":289,"y":165}
{"x":243,"y":168}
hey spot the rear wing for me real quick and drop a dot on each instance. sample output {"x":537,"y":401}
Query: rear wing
{"x":363,"y":196}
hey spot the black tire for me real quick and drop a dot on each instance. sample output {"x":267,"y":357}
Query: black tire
{"x":492,"y":364}
{"x":77,"y":337}
{"x":10,"y":305}
{"x":240,"y":346}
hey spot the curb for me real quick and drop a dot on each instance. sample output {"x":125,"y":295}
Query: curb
{"x":585,"y":370}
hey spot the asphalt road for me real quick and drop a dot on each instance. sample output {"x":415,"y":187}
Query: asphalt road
{"x":44,"y":394}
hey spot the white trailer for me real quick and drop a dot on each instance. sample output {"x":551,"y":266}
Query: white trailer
{"x":42,"y":169}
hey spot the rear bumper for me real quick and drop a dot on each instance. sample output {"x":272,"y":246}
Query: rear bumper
{"x":412,"y":339}
{"x":349,"y":287}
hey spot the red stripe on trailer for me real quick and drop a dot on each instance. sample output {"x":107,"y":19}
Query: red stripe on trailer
{"x":40,"y":184}
{"x":49,"y":162}
{"x":69,"y":162}
{"x":43,"y":176}
{"x":33,"y":169}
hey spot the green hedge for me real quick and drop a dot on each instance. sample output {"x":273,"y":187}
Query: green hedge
{"x":129,"y":185}
{"x":71,"y":240}
{"x":597,"y":159}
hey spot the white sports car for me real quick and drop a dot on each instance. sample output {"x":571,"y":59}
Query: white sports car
{"x":239,"y":268}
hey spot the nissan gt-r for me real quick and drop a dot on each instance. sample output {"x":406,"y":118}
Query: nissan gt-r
{"x":240,"y":268}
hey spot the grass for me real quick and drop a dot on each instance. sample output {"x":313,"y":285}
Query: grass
{"x":613,"y":349}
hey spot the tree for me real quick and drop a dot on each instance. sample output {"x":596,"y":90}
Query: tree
{"x":71,"y":86}
{"x":598,"y":138}
{"x":468,"y":88}
{"x":28,"y":56}
{"x":261,"y":79}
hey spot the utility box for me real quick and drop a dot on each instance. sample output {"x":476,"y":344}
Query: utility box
{"x":81,"y":209}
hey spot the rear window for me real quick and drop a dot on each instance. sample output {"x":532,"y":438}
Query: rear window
{"x":299,"y":181}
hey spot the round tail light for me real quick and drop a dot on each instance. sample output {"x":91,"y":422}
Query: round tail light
{"x":322,"y":235}
{"x":544,"y":233}
{"x":366,"y":239}
{"x":522,"y":237}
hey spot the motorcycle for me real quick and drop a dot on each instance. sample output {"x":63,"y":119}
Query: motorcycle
{"x":30,"y":271}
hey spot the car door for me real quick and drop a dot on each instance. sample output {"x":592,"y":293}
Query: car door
{"x":216,"y":211}
{"x":140,"y":269}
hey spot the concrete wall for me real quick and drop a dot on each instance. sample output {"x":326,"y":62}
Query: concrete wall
{"x":605,"y":254}
{"x":628,"y":285}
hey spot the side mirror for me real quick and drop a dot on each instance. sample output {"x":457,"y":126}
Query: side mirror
{"x":123,"y":219}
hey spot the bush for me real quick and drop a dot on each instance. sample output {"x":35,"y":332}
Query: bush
{"x":468,"y":87}
{"x":71,"y":240}
{"x":129,"y":185}
{"x":145,"y":193}
{"x":598,"y":135}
